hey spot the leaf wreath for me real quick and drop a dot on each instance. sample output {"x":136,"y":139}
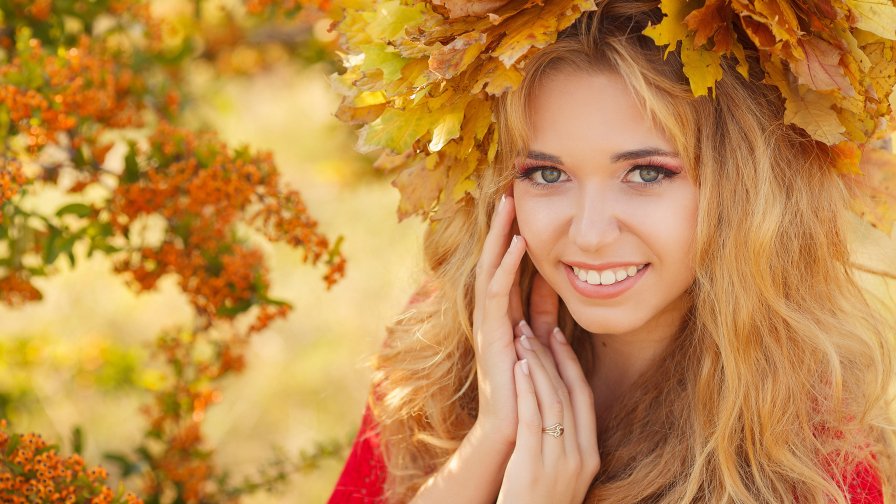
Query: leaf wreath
{"x":421,"y":78}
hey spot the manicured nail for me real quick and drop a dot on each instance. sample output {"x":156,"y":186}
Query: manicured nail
{"x":514,"y":240}
{"x":525,"y":366}
{"x":524,"y":340}
{"x":524,"y":327}
{"x":558,"y":335}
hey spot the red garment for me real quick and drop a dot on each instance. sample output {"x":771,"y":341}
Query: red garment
{"x":364,"y":474}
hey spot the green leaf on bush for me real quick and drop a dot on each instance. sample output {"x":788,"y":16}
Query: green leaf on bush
{"x":79,"y":209}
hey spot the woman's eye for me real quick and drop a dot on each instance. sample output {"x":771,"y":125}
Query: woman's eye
{"x":550,"y":175}
{"x":542,"y":177}
{"x":648,"y":174}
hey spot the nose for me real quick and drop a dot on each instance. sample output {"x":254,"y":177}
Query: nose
{"x":596,"y":221}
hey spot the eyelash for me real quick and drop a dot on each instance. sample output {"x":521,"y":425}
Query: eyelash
{"x":666,"y":174}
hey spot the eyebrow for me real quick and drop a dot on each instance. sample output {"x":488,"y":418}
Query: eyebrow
{"x":629,"y":155}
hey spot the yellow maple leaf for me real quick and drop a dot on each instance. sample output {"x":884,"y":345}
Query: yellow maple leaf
{"x":384,"y":58}
{"x":876,"y":16}
{"x":395,"y":129}
{"x":777,"y":15}
{"x":478,"y":121}
{"x":672,"y":28}
{"x":702,"y":67}
{"x":391,"y":18}
{"x":526,"y":30}
{"x":496,"y":78}
{"x":448,"y":126}
{"x":882,"y":72}
{"x":814,"y":112}
{"x":353,"y":114}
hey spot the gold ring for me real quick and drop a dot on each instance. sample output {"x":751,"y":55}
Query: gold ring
{"x":555,"y":430}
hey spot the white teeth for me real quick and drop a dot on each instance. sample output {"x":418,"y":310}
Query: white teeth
{"x":593,"y":277}
{"x":606,"y":277}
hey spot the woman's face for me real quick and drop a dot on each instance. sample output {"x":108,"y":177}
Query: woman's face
{"x":606,"y":206}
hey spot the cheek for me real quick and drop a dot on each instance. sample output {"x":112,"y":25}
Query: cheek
{"x":674,"y":233}
{"x":539,"y":220}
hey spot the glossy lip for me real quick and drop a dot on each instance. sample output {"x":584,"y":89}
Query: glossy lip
{"x":604,"y":266}
{"x":604,"y":291}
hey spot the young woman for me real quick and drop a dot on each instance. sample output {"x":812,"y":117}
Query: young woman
{"x":712,"y":344}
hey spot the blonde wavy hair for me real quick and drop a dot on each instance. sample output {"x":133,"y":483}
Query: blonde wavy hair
{"x":781,"y":379}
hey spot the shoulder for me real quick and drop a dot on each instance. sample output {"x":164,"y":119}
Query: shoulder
{"x":863,"y":485}
{"x":363,"y":475}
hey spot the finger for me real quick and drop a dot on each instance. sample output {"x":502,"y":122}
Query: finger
{"x":542,"y":352}
{"x":544,"y":304}
{"x":532,"y":350}
{"x":516,"y":300}
{"x":497,"y":295}
{"x":528,"y":426}
{"x":581,"y":397}
{"x":495,"y":243}
{"x":550,"y":403}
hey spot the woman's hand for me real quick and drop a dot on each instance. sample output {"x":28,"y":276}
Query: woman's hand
{"x":493,"y":327}
{"x":551,"y":389}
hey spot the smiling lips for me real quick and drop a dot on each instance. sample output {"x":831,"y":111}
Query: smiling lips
{"x":608,"y":276}
{"x":613,"y":288}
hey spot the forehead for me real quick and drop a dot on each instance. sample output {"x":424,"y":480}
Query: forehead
{"x":589,"y":112}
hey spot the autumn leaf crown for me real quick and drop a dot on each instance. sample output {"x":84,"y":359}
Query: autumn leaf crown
{"x":421,"y":77}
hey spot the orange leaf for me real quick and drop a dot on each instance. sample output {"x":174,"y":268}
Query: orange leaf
{"x":821,"y":69}
{"x":461,"y":8}
{"x":707,"y":20}
{"x":419,"y":186}
{"x":448,"y":61}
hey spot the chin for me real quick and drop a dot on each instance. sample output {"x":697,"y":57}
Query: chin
{"x":604,"y":320}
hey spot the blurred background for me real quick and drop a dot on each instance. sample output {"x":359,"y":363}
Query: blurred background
{"x":80,"y":358}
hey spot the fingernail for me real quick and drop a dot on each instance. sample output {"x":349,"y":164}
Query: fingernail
{"x":525,"y":365}
{"x":525,"y":342}
{"x":558,"y":335}
{"x":524,"y":327}
{"x":514,"y":240}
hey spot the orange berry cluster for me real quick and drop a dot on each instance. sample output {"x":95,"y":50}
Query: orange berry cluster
{"x":179,"y":409}
{"x":11,"y":179}
{"x":46,"y":93}
{"x":31,"y":471}
{"x":16,"y":290}
{"x":204,"y":190}
{"x":69,"y":94}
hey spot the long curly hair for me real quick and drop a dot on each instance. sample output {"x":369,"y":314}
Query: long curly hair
{"x":781,"y":379}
